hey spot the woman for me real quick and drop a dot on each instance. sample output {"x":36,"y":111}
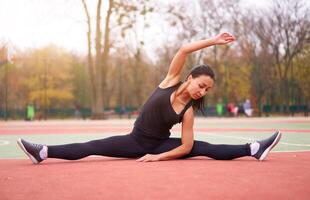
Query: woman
{"x":172,"y":102}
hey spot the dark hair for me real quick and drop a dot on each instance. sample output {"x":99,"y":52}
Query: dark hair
{"x":196,"y":72}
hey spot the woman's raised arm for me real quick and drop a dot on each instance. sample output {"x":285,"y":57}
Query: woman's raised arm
{"x":174,"y":73}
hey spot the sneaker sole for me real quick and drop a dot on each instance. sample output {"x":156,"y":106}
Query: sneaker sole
{"x":275,"y":142}
{"x":20,"y":144}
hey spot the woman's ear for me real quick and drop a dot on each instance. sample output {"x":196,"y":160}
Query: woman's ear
{"x":190,"y":77}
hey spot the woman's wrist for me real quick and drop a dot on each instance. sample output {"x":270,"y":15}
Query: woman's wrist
{"x":211,"y":41}
{"x":171,"y":155}
{"x":162,"y":156}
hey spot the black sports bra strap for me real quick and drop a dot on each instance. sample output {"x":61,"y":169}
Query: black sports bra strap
{"x":189,"y":104}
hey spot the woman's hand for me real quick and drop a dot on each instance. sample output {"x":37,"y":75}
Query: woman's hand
{"x":224,"y":38}
{"x":149,"y":158}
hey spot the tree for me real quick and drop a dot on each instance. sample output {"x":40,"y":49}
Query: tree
{"x":97,"y":68}
{"x":45,"y":78}
{"x":121,"y":11}
{"x":285,"y":29}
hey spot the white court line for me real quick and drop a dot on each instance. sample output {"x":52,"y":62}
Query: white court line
{"x":291,"y":151}
{"x":228,"y":136}
{"x":293,"y":144}
{"x":4,"y":142}
{"x":249,"y":139}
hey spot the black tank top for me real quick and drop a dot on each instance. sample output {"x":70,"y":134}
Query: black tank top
{"x":157,"y":115}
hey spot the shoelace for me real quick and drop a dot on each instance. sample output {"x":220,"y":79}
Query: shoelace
{"x":38,"y":146}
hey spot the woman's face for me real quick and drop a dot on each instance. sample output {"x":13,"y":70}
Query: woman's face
{"x":199,"y":86}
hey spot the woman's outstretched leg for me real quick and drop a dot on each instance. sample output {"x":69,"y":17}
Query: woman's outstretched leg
{"x":124,"y":146}
{"x":219,"y":151}
{"x":259,"y":149}
{"x":201,"y":148}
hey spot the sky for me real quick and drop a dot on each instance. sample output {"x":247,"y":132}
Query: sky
{"x":36,"y":23}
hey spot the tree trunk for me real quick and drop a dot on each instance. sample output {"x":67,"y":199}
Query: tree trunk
{"x":90,"y":59}
{"x":106,"y":47}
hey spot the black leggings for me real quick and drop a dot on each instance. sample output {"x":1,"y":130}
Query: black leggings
{"x":127,"y":146}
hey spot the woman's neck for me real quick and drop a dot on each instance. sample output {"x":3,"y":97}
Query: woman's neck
{"x":182,"y":93}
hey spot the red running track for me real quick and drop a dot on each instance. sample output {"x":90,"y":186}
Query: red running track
{"x":281,"y":176}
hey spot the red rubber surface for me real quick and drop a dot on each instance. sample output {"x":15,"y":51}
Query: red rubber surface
{"x":281,"y":176}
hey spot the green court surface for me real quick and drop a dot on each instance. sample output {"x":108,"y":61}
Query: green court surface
{"x":296,"y":132}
